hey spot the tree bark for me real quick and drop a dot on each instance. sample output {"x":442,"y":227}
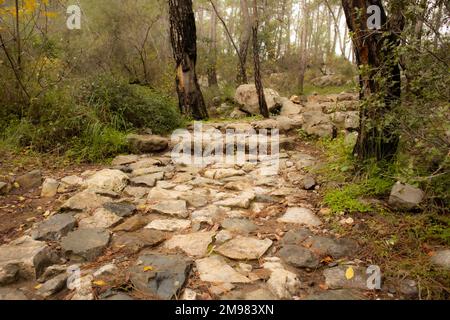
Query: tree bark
{"x":380,"y":83}
{"x":184,"y":44}
{"x":258,"y":83}
{"x":212,"y":65}
{"x":241,"y":77}
{"x":304,"y":47}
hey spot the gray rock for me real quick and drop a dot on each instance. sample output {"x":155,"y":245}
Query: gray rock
{"x":242,"y":226}
{"x":442,"y":259}
{"x":141,"y":144}
{"x":309,"y":182}
{"x":247,"y":97}
{"x":53,"y":286}
{"x":244,"y":248}
{"x":299,"y":257}
{"x":148,"y":180}
{"x":335,"y":295}
{"x":408,"y":287}
{"x":132,"y":224}
{"x":215,"y":269}
{"x":300,"y":216}
{"x":7,"y":294}
{"x":24,"y":258}
{"x":319,"y":124}
{"x":336,"y":248}
{"x":32,"y":179}
{"x":49,"y":188}
{"x":124,"y":160}
{"x":107,"y":179}
{"x":176,"y":208}
{"x":51,"y":272}
{"x":85,"y":244}
{"x":167,"y":278}
{"x":122,"y":209}
{"x":296,"y":236}
{"x":54,"y":228}
{"x":336,"y":278}
{"x":86,"y":200}
{"x":405,"y":196}
{"x":136,"y":241}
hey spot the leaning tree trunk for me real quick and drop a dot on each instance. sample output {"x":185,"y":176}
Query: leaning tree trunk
{"x":184,"y":44}
{"x":241,"y":76}
{"x":258,"y":83}
{"x":380,"y":81}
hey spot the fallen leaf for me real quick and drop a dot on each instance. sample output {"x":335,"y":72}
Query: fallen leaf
{"x":38,"y":286}
{"x":148,"y":268}
{"x":350,"y":273}
{"x":99,"y":283}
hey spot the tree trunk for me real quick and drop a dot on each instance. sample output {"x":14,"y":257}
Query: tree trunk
{"x":212,"y":71}
{"x":380,"y":83}
{"x":241,"y":77}
{"x":304,"y":49}
{"x":258,"y":83}
{"x":184,"y":44}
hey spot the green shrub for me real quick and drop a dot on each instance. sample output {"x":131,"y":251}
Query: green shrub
{"x":127,"y":106}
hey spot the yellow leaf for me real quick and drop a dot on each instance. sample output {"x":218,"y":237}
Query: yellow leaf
{"x":38,"y":286}
{"x":99,"y":283}
{"x":350,"y":273}
{"x":148,"y":268}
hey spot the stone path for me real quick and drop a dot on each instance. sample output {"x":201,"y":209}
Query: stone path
{"x":148,"y":228}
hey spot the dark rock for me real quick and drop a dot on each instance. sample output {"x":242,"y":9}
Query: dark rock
{"x":121,"y":209}
{"x":167,"y":277}
{"x":296,"y":236}
{"x":141,"y":144}
{"x":32,"y":179}
{"x":336,"y":248}
{"x":134,"y":242}
{"x":53,"y":286}
{"x":299,"y":257}
{"x":85,"y":244}
{"x":54,"y":228}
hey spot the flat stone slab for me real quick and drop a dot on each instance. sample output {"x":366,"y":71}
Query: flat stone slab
{"x":54,"y":228}
{"x":122,"y":209}
{"x":148,"y":180}
{"x":299,"y":257}
{"x":244,"y":248}
{"x":296,"y":236}
{"x":302,"y":216}
{"x":24,"y":258}
{"x":346,"y":277}
{"x":85,"y":244}
{"x":53,"y":286}
{"x":101,"y":219}
{"x":124,"y":160}
{"x":242,"y":226}
{"x":132,"y":224}
{"x":241,"y":201}
{"x":176,"y":208}
{"x":136,"y":241}
{"x":107,"y":179}
{"x":169,"y":224}
{"x":215,"y":269}
{"x":194,"y":244}
{"x":162,"y":276}
{"x":85,"y":200}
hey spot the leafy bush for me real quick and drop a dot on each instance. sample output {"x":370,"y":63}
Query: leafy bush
{"x":127,"y":106}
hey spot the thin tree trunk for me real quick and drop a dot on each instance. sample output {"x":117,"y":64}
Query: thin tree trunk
{"x":241,"y":77}
{"x":212,"y":71}
{"x":184,"y":44}
{"x":375,"y":51}
{"x":303,"y":45}
{"x":258,"y":83}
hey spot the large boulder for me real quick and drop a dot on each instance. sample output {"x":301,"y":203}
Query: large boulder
{"x":328,"y":80}
{"x":318,"y":124}
{"x":24,"y":258}
{"x":405,"y":196}
{"x":141,"y":144}
{"x":247,"y":97}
